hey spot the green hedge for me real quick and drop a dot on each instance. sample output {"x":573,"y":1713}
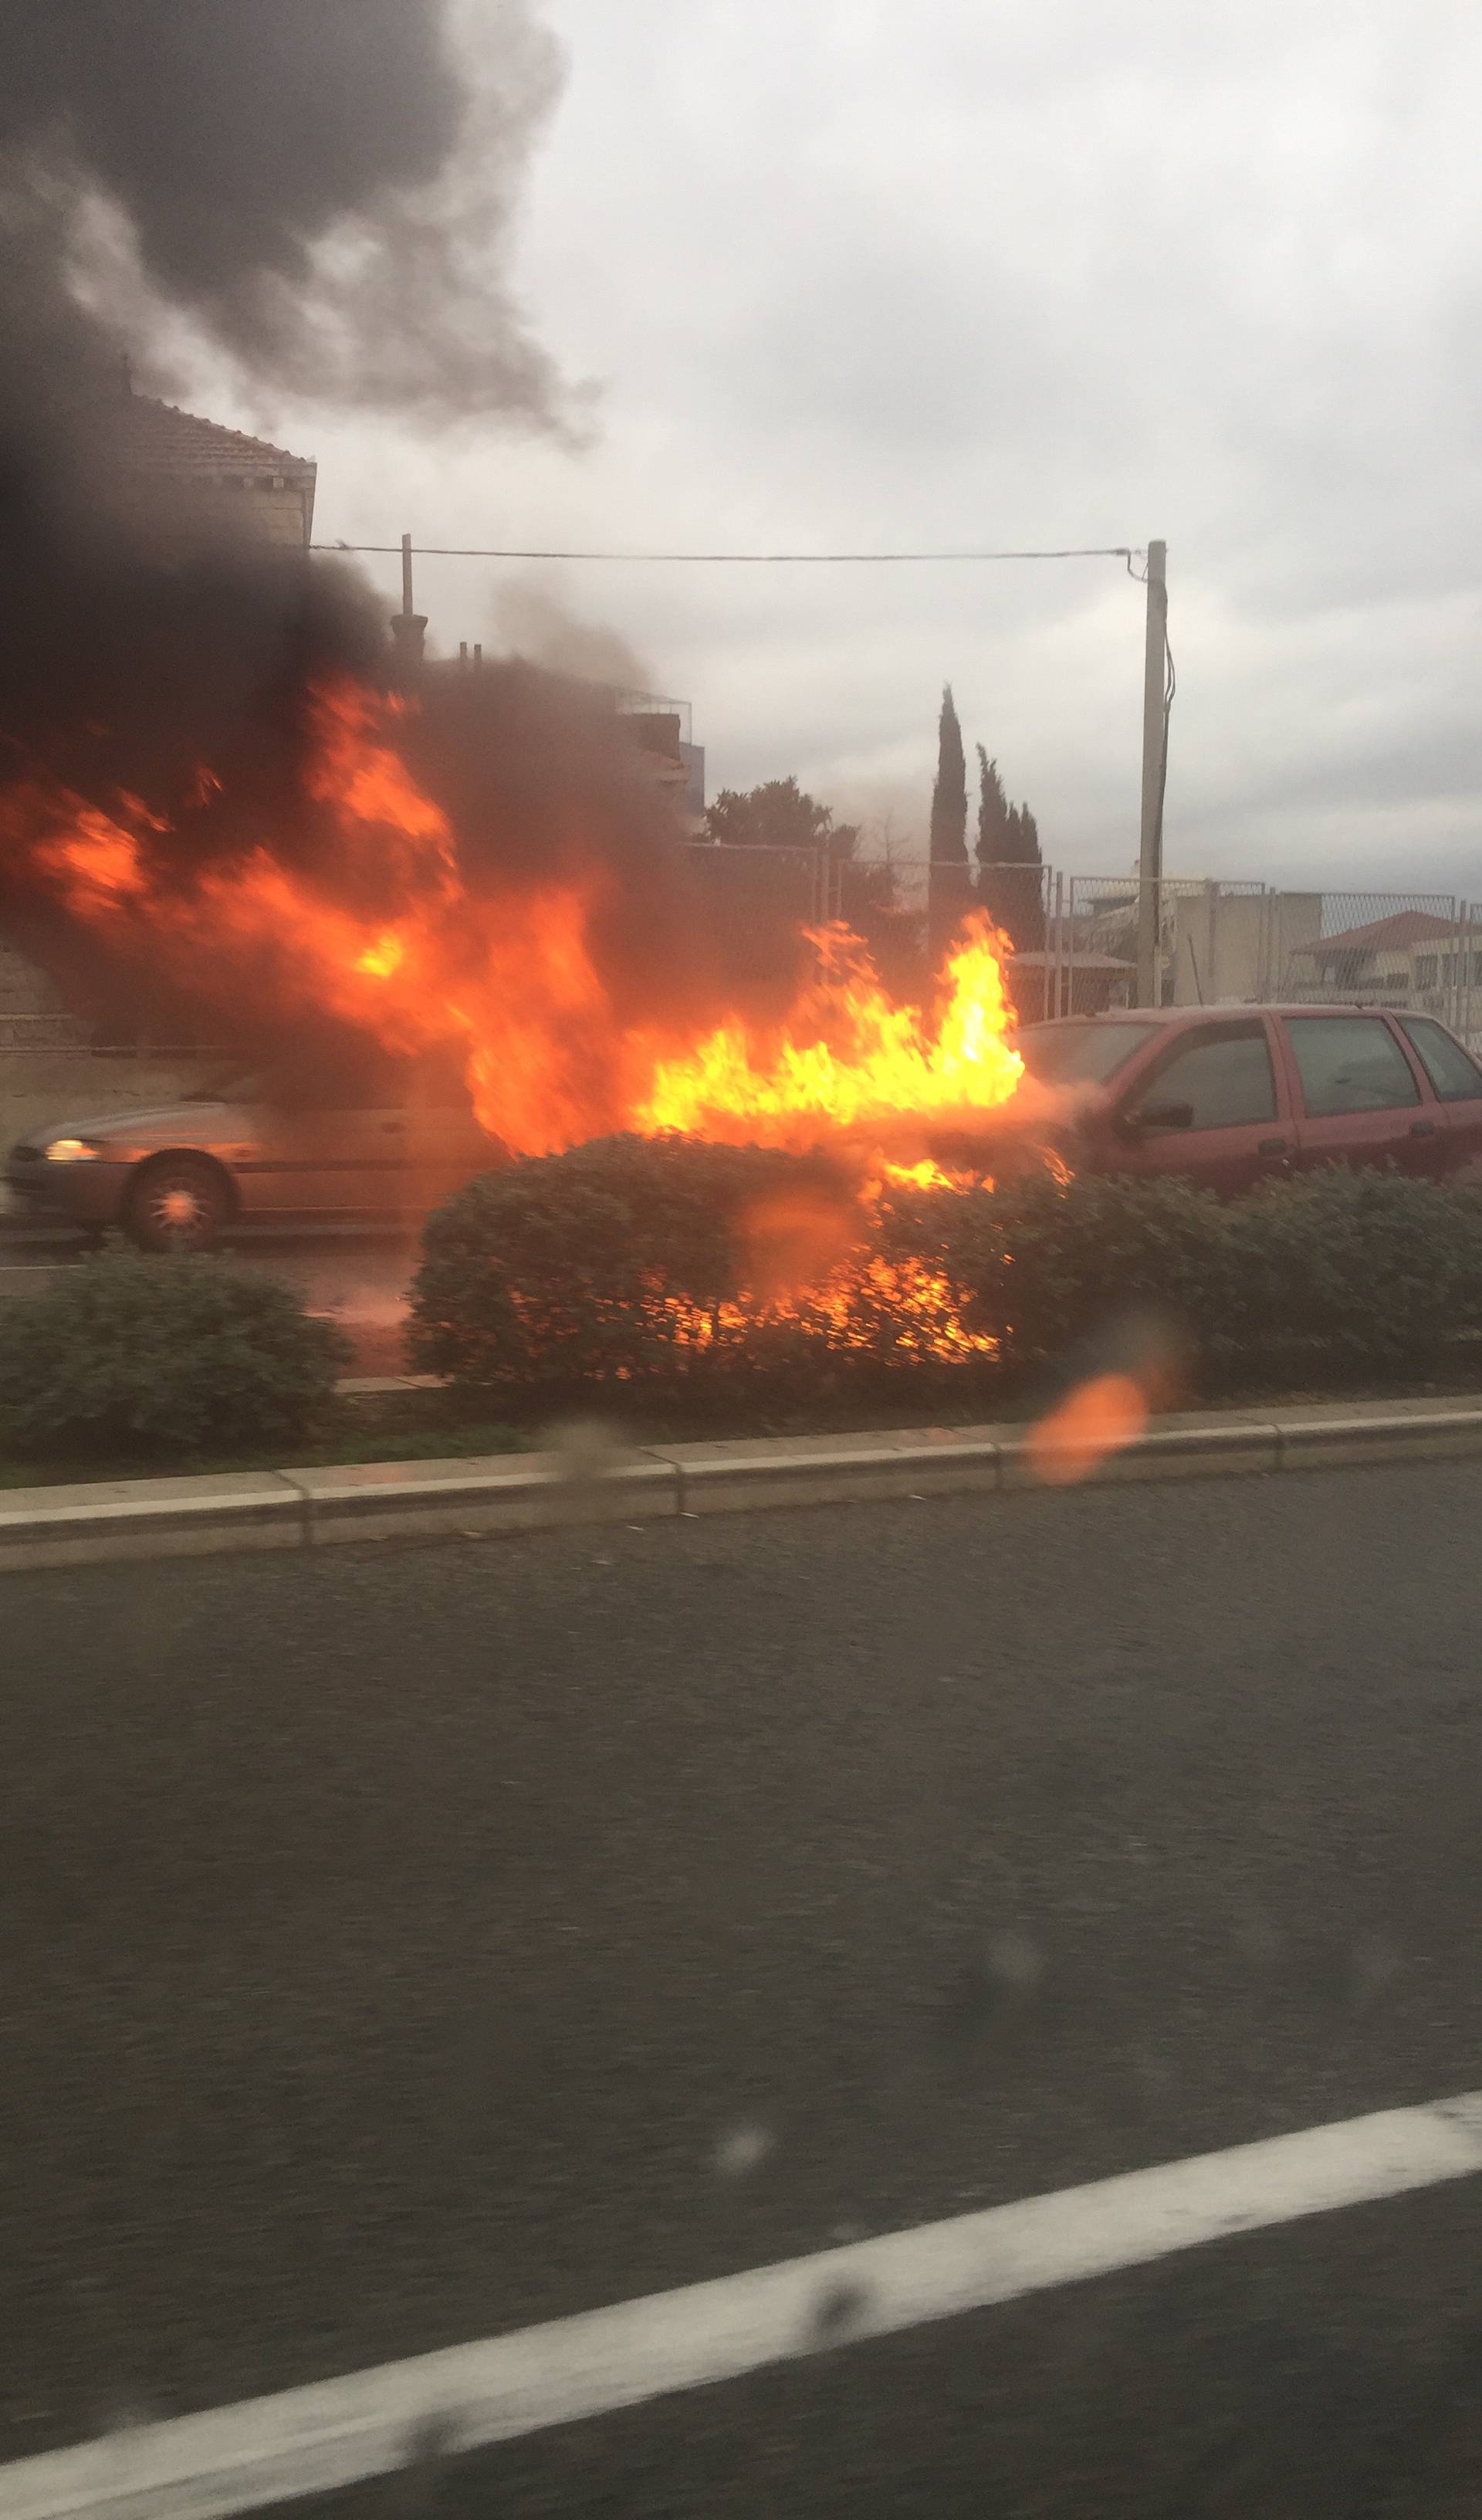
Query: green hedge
{"x":1367,"y":1266}
{"x":1375,"y":1269}
{"x":179,"y":1354}
{"x":616,"y":1261}
{"x":593,"y":1267}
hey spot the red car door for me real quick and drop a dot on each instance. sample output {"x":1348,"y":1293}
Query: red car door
{"x":1458,"y":1083}
{"x":1211,"y":1106}
{"x":1360,"y":1098}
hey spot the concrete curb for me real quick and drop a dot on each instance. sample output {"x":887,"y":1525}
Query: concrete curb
{"x":176,"y":1517}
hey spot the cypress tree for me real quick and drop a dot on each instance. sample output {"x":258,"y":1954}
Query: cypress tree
{"x":1009,"y":885}
{"x":949,"y":894}
{"x":949,"y":797}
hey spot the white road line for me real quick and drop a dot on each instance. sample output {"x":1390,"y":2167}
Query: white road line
{"x":338,"y":2432}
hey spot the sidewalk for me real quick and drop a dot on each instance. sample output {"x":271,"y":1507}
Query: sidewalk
{"x":309,"y":1509}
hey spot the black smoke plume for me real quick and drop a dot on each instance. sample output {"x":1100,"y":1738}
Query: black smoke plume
{"x":315,"y":188}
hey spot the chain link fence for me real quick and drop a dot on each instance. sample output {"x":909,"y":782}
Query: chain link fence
{"x":1223,"y":942}
{"x":1420,"y":951}
{"x":1220,"y":941}
{"x":766,"y":885}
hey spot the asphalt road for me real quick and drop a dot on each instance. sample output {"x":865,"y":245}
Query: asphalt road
{"x":403,"y":1946}
{"x":355,"y":1275}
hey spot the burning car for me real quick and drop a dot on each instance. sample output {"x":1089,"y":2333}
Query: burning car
{"x":1232,"y":1095}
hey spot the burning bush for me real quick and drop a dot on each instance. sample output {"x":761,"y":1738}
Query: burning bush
{"x":666,"y":1260}
{"x":623,"y":1259}
{"x":178,"y":1353}
{"x":1348,"y":1270}
{"x":1040,"y":1264}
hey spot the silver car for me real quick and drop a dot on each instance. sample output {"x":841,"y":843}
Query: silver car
{"x":269,"y":1146}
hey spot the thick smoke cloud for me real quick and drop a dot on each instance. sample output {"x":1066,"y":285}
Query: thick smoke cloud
{"x":315,"y":185}
{"x":311,"y":185}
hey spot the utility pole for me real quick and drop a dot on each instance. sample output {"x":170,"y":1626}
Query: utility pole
{"x":1155,"y":768}
{"x":408,"y":628}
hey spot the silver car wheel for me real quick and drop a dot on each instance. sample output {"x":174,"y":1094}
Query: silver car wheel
{"x":176,"y":1206}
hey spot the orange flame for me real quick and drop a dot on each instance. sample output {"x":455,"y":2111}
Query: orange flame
{"x":510,"y":982}
{"x":394,"y":942}
{"x":848,"y":1059}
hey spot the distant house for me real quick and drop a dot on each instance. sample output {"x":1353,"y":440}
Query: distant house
{"x":201,"y":470}
{"x":1078,"y":983}
{"x":1410,"y":958}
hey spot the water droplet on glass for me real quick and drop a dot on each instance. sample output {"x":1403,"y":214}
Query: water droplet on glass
{"x":742,"y":2148}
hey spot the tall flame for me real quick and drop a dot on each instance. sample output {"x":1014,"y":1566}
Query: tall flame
{"x":393,"y":940}
{"x":848,"y":1059}
{"x":384,"y":932}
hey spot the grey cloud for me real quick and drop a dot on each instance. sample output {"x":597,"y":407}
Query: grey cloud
{"x":1083,"y":273}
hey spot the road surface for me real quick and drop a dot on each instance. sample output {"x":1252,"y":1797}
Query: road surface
{"x":408,"y":1946}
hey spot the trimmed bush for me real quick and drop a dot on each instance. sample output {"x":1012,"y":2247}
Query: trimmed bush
{"x":1040,"y":1265}
{"x":635,"y":1260}
{"x":1372,"y":1267}
{"x":620,"y":1260}
{"x":1362,"y":1268}
{"x":178,"y":1353}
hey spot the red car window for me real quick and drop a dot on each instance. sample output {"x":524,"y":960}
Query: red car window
{"x":1456,"y":1077}
{"x":1222,"y":1073}
{"x":1349,"y":1064}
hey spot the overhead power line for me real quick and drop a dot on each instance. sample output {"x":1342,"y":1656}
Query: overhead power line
{"x":768,"y":560}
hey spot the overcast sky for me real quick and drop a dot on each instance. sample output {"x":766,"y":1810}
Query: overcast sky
{"x":848,"y":274}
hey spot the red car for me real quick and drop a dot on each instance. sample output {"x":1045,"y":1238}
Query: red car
{"x":1232,"y":1096}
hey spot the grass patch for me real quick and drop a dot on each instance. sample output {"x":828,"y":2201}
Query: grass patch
{"x":426,"y":1430}
{"x":342,"y":1450}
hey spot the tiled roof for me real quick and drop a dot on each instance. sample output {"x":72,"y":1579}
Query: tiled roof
{"x":1402,"y":927}
{"x":150,"y":435}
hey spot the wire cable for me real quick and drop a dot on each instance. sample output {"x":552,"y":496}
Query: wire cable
{"x":768,"y":560}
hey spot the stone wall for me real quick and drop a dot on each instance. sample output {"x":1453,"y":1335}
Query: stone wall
{"x":23,"y":990}
{"x":38,"y":1087}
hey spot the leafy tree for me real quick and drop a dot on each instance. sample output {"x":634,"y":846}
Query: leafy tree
{"x":781,"y":815}
{"x":777,"y":814}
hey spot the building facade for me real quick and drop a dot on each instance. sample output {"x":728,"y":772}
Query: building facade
{"x":199,"y":472}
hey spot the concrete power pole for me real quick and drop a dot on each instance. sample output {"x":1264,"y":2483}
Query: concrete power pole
{"x":408,"y":628}
{"x":1155,"y":737}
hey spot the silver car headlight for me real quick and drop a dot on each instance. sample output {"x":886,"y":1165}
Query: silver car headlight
{"x":72,"y":1150}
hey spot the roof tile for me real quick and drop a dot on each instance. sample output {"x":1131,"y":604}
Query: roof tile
{"x":148,"y":434}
